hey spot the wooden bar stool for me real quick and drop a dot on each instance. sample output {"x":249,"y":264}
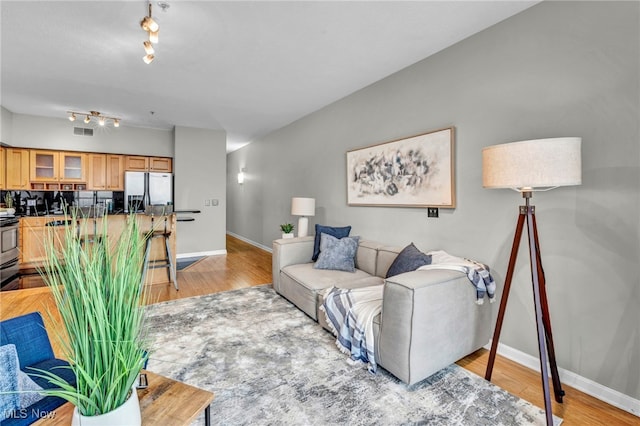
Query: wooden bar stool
{"x":167,"y":261}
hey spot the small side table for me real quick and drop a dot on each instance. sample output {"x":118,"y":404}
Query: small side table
{"x":164,"y":401}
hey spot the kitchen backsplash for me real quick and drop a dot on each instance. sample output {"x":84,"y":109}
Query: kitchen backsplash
{"x":50,"y":202}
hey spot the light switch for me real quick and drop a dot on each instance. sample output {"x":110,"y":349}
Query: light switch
{"x":207,"y":203}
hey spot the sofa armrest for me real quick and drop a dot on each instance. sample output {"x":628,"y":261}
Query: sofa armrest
{"x":429,"y":320}
{"x":290,"y":251}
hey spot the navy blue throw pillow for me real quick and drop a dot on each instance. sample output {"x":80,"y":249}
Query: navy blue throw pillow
{"x":409,"y":259}
{"x":334,"y":232}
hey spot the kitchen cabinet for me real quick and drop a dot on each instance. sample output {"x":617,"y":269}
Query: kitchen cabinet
{"x":106,"y":172}
{"x":3,"y":168}
{"x":17,"y":172}
{"x":137,"y":163}
{"x":33,"y":233}
{"x":56,"y":170}
{"x":44,"y":166}
{"x":73,"y":167}
{"x":160,"y":164}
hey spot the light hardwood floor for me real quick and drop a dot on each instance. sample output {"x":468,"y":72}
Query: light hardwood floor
{"x":246,"y":265}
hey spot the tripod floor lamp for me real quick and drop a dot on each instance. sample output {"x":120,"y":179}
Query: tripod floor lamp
{"x":528,"y":166}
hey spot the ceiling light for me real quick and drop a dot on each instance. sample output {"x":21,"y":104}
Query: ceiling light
{"x":153,"y":36}
{"x":148,"y":24}
{"x":101,"y":119}
{"x":148,"y":59}
{"x":148,"y":48}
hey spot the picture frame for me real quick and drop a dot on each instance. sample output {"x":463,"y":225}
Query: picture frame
{"x":417,"y":171}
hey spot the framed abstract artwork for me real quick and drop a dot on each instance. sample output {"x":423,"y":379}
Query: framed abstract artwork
{"x":417,"y":171}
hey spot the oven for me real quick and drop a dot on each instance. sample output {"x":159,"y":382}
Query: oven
{"x":8,"y":250}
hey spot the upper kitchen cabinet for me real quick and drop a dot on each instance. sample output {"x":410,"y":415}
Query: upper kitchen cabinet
{"x":58,"y":170}
{"x":3,"y":168}
{"x":44,"y":166}
{"x":160,"y":164}
{"x":106,"y":172}
{"x":138,"y":163}
{"x":17,"y":162}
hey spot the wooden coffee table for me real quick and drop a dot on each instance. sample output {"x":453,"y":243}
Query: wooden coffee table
{"x":163,"y":402}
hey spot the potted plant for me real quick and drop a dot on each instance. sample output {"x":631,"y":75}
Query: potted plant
{"x":287,"y":230}
{"x":98,"y":291}
{"x":8,"y":202}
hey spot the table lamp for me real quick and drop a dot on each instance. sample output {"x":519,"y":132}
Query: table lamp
{"x":528,"y":166}
{"x":303,"y":207}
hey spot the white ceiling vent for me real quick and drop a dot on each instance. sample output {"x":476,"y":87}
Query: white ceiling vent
{"x":81,"y":131}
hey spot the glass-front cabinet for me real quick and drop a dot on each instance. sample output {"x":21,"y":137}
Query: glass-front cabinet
{"x":58,"y":170}
{"x":44,"y":166}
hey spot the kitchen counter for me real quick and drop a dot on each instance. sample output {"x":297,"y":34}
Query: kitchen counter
{"x":34,"y":229}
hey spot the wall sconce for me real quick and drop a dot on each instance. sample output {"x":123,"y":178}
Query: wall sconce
{"x":241,"y":176}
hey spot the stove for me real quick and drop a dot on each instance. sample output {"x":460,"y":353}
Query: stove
{"x":9,"y":233}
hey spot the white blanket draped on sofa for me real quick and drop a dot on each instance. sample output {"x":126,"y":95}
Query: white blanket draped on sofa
{"x":350,"y":315}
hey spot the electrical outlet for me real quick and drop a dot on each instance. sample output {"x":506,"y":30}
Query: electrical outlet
{"x":214,"y":202}
{"x":432,"y":212}
{"x":207,"y":203}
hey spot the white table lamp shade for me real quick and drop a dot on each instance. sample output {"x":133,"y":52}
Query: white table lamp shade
{"x":527,"y":165}
{"x":303,"y":207}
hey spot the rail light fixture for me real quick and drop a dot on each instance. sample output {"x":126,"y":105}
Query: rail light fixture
{"x":151,"y":26}
{"x":100,"y":118}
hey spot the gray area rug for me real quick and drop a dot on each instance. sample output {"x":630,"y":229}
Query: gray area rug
{"x":268,"y":363}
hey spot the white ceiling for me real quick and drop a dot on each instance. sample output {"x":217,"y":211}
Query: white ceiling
{"x":248,"y":67}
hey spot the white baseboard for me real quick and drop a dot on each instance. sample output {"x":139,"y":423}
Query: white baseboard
{"x":248,"y":241}
{"x":201,"y":253}
{"x":588,"y":386}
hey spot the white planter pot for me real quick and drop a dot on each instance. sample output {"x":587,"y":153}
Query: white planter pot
{"x":126,"y":414}
{"x":289,"y":235}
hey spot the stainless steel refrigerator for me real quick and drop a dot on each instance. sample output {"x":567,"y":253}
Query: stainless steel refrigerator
{"x":142,"y":189}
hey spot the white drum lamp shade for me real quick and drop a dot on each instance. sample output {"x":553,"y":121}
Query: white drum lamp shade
{"x":303,"y":207}
{"x":527,"y":165}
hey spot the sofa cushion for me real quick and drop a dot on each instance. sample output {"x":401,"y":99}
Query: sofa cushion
{"x":386,"y":256}
{"x":337,"y":254}
{"x":409,"y":259}
{"x":318,"y":279}
{"x":333,"y":231}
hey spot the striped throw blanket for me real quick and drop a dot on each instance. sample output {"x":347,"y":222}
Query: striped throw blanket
{"x":350,"y":314}
{"x":478,"y":273}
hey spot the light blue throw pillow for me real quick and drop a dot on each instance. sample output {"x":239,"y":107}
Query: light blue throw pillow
{"x":21,"y":390}
{"x":337,"y":253}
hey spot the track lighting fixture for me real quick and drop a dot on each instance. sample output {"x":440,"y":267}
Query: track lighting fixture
{"x":101,"y":119}
{"x":151,"y":26}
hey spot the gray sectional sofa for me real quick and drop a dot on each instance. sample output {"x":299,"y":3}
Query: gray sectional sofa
{"x":429,"y":318}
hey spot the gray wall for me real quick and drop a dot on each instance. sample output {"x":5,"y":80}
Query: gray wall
{"x":557,"y":69}
{"x":6,"y":125}
{"x":200,"y":172}
{"x":57,"y":133}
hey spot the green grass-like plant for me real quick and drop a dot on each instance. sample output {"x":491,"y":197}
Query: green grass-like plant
{"x":287,"y":228}
{"x":98,"y":290}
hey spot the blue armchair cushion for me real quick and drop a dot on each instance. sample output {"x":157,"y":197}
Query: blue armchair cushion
{"x":333,"y":231}
{"x":27,"y":332}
